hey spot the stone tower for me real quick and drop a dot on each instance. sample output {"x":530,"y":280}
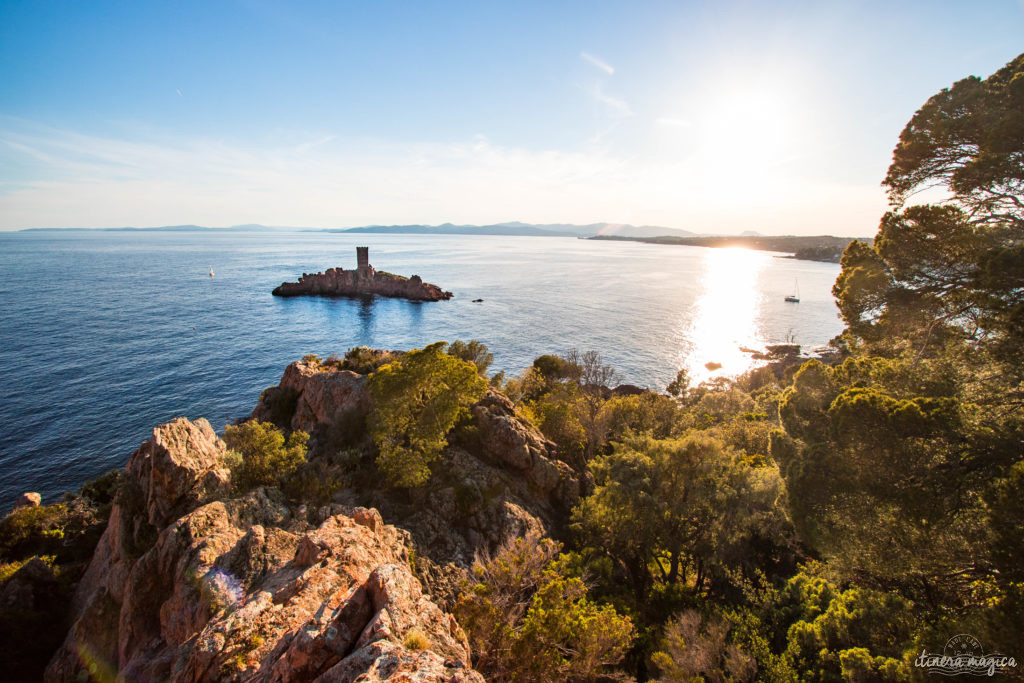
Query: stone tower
{"x":362,"y":257}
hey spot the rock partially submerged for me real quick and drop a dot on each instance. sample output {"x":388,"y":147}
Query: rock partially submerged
{"x":188,"y":583}
{"x":363,"y":281}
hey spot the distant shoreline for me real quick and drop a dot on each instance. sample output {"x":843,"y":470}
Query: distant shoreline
{"x":821,"y":248}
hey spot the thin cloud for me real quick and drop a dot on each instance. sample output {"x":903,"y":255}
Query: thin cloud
{"x":179,"y":92}
{"x":598,"y":62}
{"x":77,"y":179}
{"x":617,"y":107}
{"x":306,"y":146}
{"x":678,"y":123}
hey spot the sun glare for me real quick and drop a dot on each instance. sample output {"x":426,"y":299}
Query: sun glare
{"x":724,"y":319}
{"x":754,"y":126}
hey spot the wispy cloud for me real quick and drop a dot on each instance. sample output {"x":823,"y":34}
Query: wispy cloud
{"x":616,"y":106}
{"x":671,"y":121}
{"x":68,"y":178}
{"x":598,"y":62}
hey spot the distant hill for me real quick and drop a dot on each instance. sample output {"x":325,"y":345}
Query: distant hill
{"x":450,"y":229}
{"x":511,"y":228}
{"x":527,"y":229}
{"x":167,"y":228}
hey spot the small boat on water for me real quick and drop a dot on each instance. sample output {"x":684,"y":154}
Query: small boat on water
{"x":794,"y":298}
{"x":211,"y":271}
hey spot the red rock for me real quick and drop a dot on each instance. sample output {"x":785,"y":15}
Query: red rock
{"x":243,"y":589}
{"x":28,"y":500}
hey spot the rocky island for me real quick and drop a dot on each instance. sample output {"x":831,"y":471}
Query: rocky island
{"x":362,"y":281}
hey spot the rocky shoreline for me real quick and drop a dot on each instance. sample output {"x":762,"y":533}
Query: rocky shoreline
{"x":194,"y":580}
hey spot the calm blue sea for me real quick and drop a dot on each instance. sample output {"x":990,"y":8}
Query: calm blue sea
{"x":104,"y":335}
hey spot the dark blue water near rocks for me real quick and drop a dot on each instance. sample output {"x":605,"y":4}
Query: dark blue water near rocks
{"x":104,"y":335}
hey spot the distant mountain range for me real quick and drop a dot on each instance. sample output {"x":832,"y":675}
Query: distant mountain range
{"x":530,"y":229}
{"x":252,"y":227}
{"x":512,"y":228}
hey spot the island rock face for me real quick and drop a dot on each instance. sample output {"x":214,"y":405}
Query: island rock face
{"x":189,"y":583}
{"x":361,"y":282}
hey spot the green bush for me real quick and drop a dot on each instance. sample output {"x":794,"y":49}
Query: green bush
{"x":32,"y":531}
{"x":314,"y":483}
{"x":474,"y":352}
{"x":416,"y":402}
{"x":364,"y":360}
{"x":527,"y":621}
{"x":261,"y":456}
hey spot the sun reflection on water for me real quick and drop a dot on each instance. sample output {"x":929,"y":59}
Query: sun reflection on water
{"x":724,"y":316}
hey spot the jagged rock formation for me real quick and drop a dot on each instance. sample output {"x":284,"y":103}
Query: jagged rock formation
{"x":188,"y":583}
{"x":360,"y":282}
{"x":501,"y":481}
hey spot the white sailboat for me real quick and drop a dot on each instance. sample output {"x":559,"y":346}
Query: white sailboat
{"x":211,"y":271}
{"x":795,"y":297}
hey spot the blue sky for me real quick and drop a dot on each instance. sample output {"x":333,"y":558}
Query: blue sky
{"x":710,"y":116}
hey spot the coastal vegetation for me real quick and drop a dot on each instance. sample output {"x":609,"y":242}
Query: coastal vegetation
{"x":417,"y":401}
{"x":260,"y":454}
{"x":808,"y":521}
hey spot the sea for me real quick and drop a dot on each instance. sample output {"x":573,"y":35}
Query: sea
{"x":106,"y":334}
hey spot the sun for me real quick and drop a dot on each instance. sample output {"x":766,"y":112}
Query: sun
{"x":750,"y":123}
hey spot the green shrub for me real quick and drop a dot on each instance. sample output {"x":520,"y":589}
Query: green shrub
{"x":474,"y":352}
{"x":260,"y":455}
{"x":314,"y":483}
{"x":102,"y":490}
{"x":527,"y":621}
{"x":364,"y":360}
{"x":28,"y":531}
{"x":416,"y":640}
{"x":347,"y":430}
{"x":417,"y":401}
{"x":552,"y":367}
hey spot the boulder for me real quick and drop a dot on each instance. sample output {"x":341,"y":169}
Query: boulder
{"x":320,"y":398}
{"x":515,"y":443}
{"x":28,"y":500}
{"x":178,"y":468}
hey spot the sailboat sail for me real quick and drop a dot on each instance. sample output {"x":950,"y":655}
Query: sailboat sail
{"x":795,"y":297}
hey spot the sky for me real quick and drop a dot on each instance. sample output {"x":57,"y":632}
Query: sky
{"x":715,"y":117}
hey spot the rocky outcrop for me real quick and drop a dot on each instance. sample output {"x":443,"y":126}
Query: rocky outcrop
{"x":361,"y":282}
{"x":30,"y":499}
{"x":509,"y":440}
{"x":501,"y":481}
{"x":314,"y":397}
{"x":188,"y":584}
